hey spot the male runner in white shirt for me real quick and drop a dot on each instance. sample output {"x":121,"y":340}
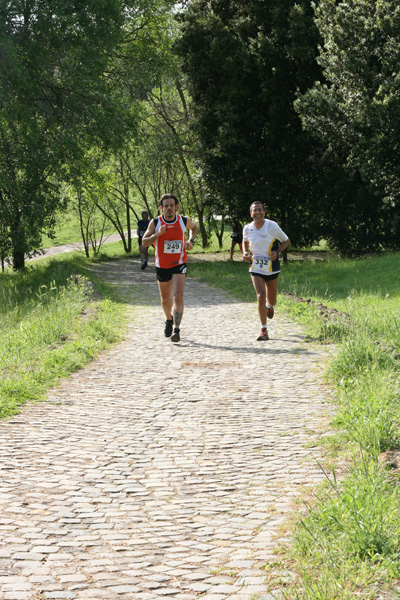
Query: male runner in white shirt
{"x":262,"y":241}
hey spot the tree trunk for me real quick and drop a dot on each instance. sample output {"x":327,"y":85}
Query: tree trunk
{"x":83,"y":234}
{"x":17,"y":243}
{"x":129,"y":227}
{"x":18,"y":260}
{"x":123,"y":160}
{"x":218,"y":233}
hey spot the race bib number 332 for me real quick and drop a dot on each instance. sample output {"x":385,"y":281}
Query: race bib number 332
{"x":172,"y":246}
{"x":260,"y":264}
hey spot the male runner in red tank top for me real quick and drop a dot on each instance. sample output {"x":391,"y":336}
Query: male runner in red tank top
{"x":167,"y":233}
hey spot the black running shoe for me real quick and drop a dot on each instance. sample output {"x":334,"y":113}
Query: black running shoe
{"x":175,"y":337}
{"x":144,"y":265}
{"x":168,"y":328}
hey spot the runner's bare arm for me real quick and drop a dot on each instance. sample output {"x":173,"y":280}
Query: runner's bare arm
{"x":191,"y":225}
{"x":282,"y":247}
{"x":246,"y":246}
{"x":150,"y":237}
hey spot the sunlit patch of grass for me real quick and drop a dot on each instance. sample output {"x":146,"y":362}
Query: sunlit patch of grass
{"x":50,"y":327}
{"x":369,"y":411}
{"x":348,"y":545}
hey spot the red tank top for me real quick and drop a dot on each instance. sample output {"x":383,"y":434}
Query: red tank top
{"x":170,"y":247}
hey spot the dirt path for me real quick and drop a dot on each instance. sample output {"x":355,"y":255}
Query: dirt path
{"x":163,"y":470}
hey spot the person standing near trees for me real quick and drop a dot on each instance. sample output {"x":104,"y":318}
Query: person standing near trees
{"x":167,"y":233}
{"x":142,"y":226}
{"x":263,"y":240}
{"x":237,"y":237}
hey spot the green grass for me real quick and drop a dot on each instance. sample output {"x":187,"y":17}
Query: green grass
{"x":368,"y":290}
{"x":50,"y":326}
{"x":68,"y":230}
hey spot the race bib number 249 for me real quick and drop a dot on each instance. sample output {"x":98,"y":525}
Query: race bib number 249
{"x":172,"y":246}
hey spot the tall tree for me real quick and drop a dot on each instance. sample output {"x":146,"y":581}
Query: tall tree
{"x":356,"y":113}
{"x":172,"y":123}
{"x":61,"y":86}
{"x":246,"y":60}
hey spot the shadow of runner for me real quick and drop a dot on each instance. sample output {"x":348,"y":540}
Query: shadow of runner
{"x":262,"y":349}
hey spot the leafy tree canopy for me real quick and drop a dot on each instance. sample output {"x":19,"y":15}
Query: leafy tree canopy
{"x":356,"y":112}
{"x":245,"y":61}
{"x":66,"y":82}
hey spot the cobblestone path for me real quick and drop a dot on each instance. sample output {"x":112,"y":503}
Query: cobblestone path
{"x":162,"y":470}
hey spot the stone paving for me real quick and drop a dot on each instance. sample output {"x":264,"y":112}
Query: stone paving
{"x":163,"y":470}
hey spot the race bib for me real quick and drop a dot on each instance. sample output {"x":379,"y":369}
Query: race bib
{"x":172,"y":246}
{"x":260,"y":264}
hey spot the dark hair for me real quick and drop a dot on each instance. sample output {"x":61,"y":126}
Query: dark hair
{"x":168,"y":197}
{"x":257,"y":202}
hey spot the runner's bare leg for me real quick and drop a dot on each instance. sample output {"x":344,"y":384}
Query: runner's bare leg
{"x":178,"y":284}
{"x":260,"y":287}
{"x":165,"y":288}
{"x":272,"y":291}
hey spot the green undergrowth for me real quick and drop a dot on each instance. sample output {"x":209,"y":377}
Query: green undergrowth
{"x":347,"y":543}
{"x":54,"y":318}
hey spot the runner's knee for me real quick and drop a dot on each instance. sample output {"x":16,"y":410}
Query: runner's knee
{"x":178,"y":296}
{"x":261,"y":297}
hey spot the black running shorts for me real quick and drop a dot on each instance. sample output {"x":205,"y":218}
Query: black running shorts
{"x":265,"y":277}
{"x":166,"y":274}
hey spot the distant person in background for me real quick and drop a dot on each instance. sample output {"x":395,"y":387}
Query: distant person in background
{"x":263,"y":240}
{"x":141,"y":230}
{"x":237,"y":237}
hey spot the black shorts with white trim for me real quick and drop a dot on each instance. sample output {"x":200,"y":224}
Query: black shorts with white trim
{"x":166,"y":274}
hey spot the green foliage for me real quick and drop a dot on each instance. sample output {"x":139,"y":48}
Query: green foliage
{"x":63,"y":79}
{"x":369,"y":412}
{"x":361,"y":518}
{"x":358,"y":355}
{"x":356,"y":115}
{"x":353,"y":530}
{"x":245,"y":62}
{"x":166,"y":158}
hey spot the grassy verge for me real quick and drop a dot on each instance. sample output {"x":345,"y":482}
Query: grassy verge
{"x":348,"y":543}
{"x":52,"y":321}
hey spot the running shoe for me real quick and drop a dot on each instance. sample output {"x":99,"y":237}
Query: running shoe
{"x":168,"y":328}
{"x":144,"y":265}
{"x":270,"y":312}
{"x":175,"y":336}
{"x":263,"y":335}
